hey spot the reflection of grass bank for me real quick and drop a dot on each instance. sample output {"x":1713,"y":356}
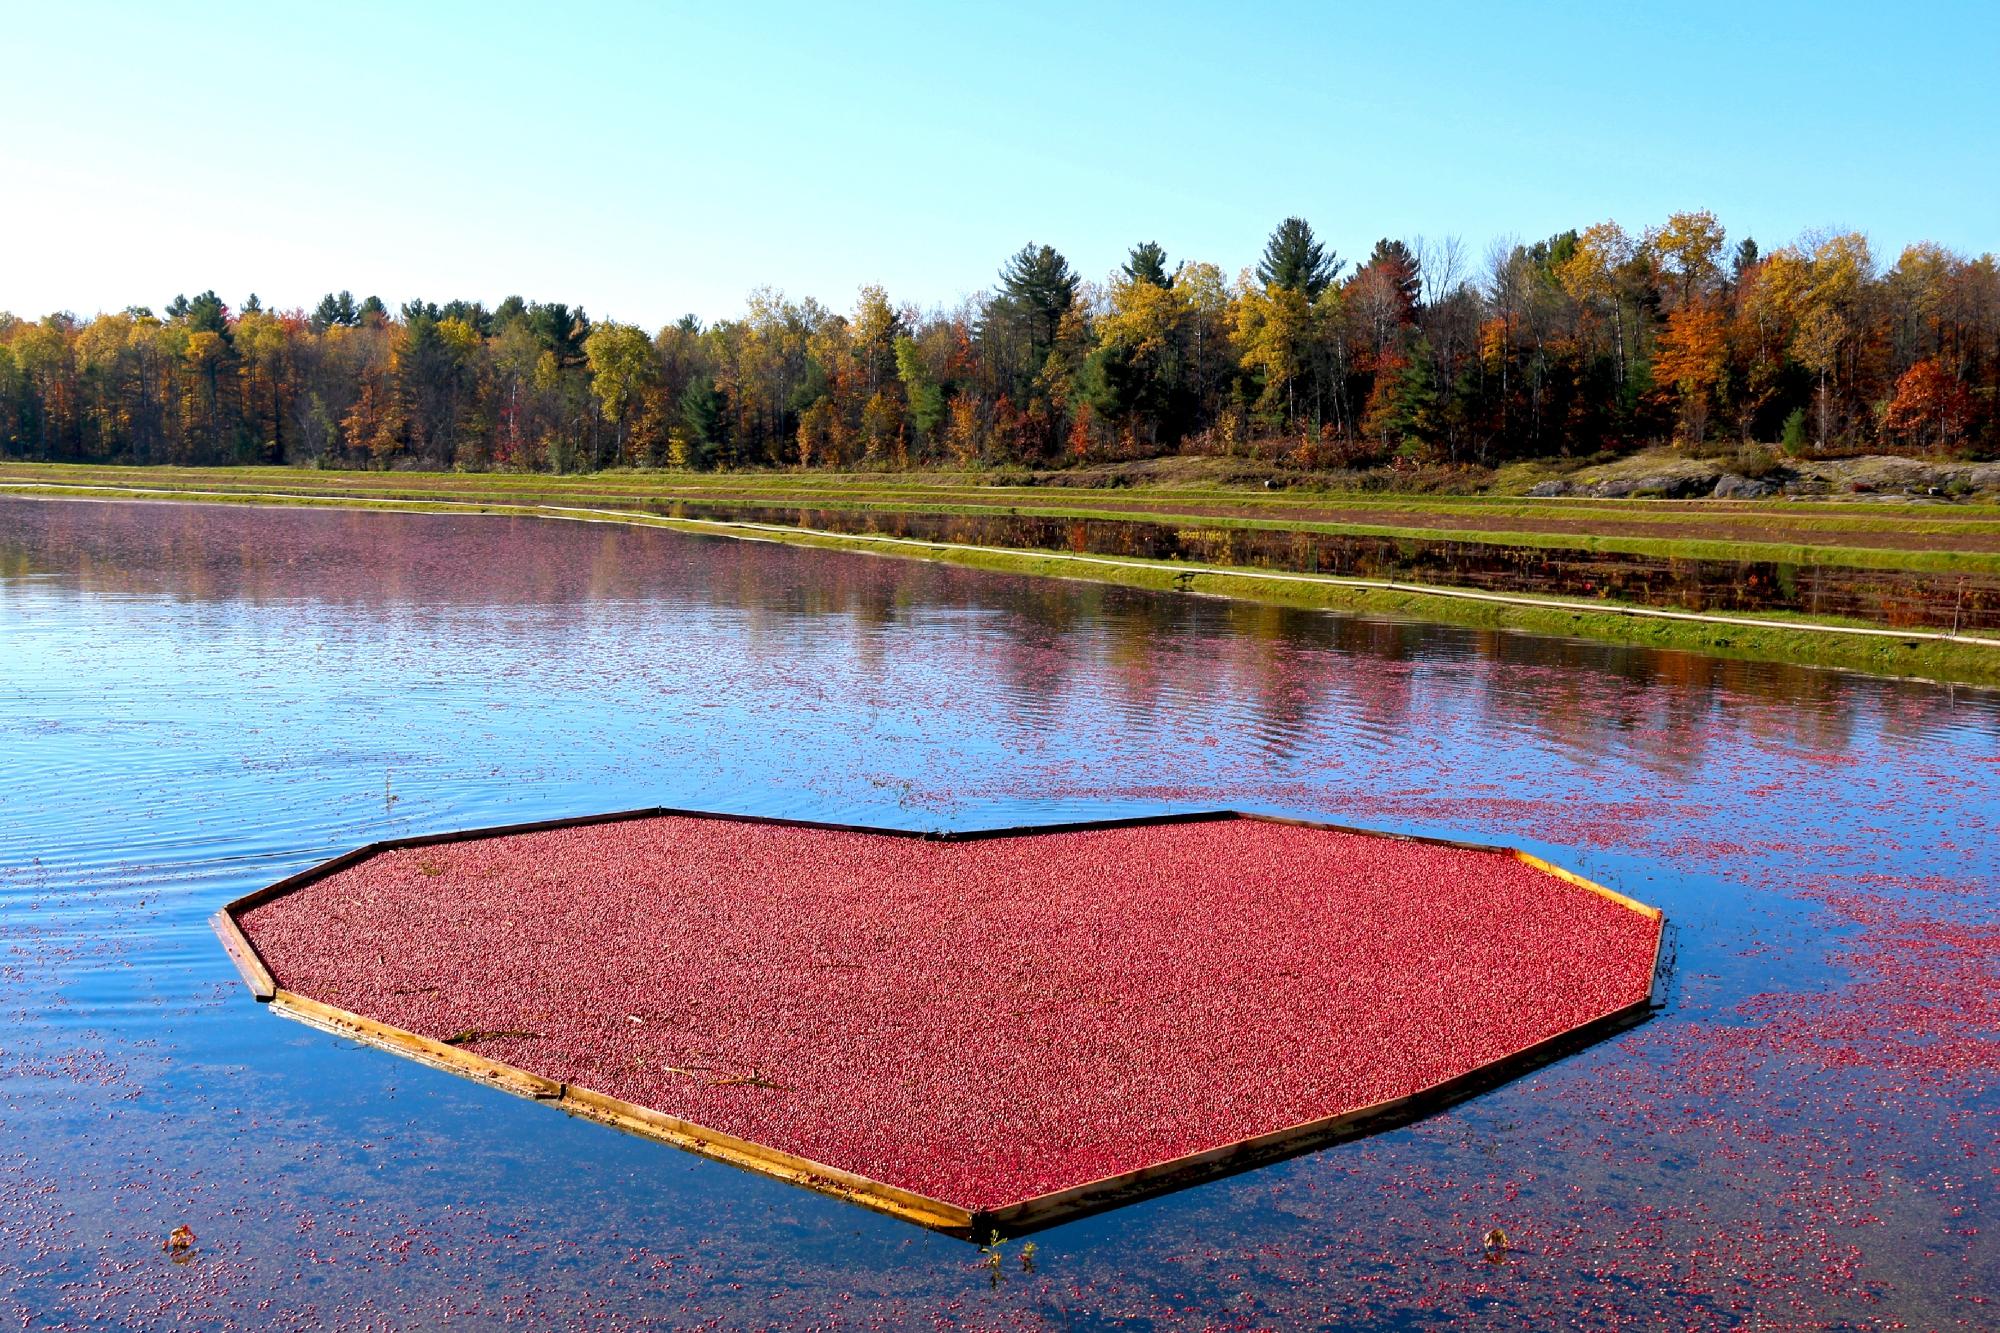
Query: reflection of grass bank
{"x":1715,"y":635}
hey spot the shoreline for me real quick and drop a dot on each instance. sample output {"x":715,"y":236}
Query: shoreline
{"x":1786,"y":531}
{"x":1927,"y":655}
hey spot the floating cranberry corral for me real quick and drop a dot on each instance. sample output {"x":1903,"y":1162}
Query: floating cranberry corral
{"x":970,"y":1031}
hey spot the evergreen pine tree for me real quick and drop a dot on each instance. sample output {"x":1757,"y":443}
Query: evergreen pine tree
{"x":1039,"y":285}
{"x":1294,"y":260}
{"x":1148,"y":263}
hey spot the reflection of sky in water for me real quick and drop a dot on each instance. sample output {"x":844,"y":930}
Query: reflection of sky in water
{"x":195,"y":701}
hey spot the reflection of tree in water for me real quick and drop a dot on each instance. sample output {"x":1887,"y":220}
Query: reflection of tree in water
{"x":203,"y":552}
{"x":1168,"y":656}
{"x":1039,"y":650}
{"x":1273,"y":673}
{"x":1032,"y":635}
{"x":1266,"y":664}
{"x":1661,"y":707}
{"x":17,"y":561}
{"x":1395,"y":640}
{"x":1142,"y":651}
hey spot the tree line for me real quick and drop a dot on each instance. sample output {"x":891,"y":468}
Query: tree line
{"x":1591,"y":340}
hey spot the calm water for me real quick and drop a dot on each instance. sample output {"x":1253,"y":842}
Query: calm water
{"x":195,"y":701}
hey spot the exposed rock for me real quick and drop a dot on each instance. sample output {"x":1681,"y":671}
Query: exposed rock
{"x":1678,"y":485}
{"x":1658,"y":475}
{"x":1893,"y":478}
{"x":1890,"y":478}
{"x":1906,"y":475}
{"x":1732,"y":487}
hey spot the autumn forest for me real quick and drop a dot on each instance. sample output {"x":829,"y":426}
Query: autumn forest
{"x":1418,"y":355}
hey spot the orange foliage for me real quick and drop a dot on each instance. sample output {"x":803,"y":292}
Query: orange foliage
{"x":1693,"y":349}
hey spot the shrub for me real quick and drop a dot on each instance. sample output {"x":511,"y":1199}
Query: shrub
{"x":1794,"y":437}
{"x":1755,"y":460}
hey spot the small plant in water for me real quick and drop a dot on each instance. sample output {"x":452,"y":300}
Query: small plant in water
{"x":1494,"y":1242}
{"x":992,"y":1256}
{"x":1028,"y":1257}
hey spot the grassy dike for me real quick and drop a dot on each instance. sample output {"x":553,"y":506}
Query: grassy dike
{"x":1960,"y":662}
{"x":1787,"y":532}
{"x":1801,"y":640}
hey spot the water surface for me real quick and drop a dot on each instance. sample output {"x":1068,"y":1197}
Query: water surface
{"x":195,"y":701}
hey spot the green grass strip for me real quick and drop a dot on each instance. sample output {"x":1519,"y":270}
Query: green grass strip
{"x":1035,"y":503}
{"x":1796,"y":639}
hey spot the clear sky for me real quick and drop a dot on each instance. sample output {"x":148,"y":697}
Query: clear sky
{"x":648,"y":159}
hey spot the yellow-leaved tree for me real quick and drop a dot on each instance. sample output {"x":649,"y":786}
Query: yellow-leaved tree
{"x":1817,"y":294}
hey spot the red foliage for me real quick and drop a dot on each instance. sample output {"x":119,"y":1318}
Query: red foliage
{"x":1931,"y":407}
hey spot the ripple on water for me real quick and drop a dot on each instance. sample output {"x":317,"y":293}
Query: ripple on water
{"x":197,"y":701}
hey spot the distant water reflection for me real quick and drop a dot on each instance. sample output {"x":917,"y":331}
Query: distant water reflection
{"x":1903,"y":598}
{"x":195,"y":700}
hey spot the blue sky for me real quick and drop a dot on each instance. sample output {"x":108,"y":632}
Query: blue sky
{"x":646,"y":160}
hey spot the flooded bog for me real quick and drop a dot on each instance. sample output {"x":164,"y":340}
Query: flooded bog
{"x":197,"y":702}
